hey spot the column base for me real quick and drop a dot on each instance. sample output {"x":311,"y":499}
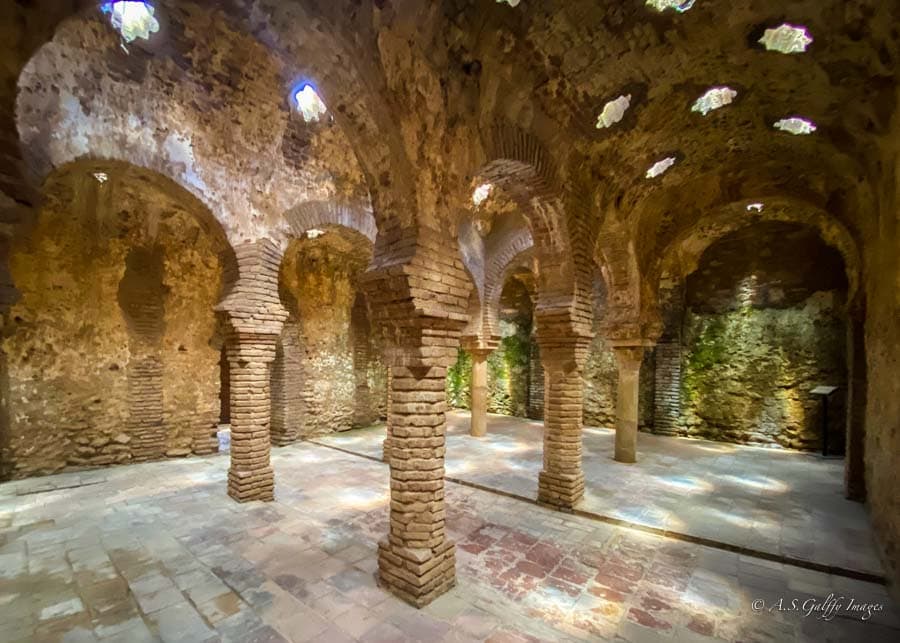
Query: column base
{"x":256,"y":484}
{"x":625,"y":457}
{"x":417,"y":576}
{"x":283,"y":440}
{"x":562,"y":490}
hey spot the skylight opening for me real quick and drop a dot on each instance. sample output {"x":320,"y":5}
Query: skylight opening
{"x":714,"y":99}
{"x":613,"y":112}
{"x":660,"y":167}
{"x":101,"y":177}
{"x":796,"y":126}
{"x":787,"y":39}
{"x":131,"y":19}
{"x":755,"y":207}
{"x":678,"y":5}
{"x":511,"y":3}
{"x":314,"y":233}
{"x":308,"y":103}
{"x":482,"y":192}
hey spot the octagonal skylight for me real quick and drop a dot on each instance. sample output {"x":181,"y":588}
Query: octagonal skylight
{"x":101,"y":177}
{"x":714,"y":99}
{"x":482,"y":192}
{"x":308,"y":103}
{"x":660,"y":167}
{"x":678,"y":5}
{"x":796,"y":125}
{"x":511,"y":3}
{"x":787,"y":39}
{"x":132,"y":20}
{"x":613,"y":111}
{"x":755,"y":207}
{"x":314,"y":233}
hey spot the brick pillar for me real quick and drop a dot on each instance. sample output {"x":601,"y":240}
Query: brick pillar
{"x":287,"y":383}
{"x":251,"y":476}
{"x":255,"y":318}
{"x":629,"y":358}
{"x":561,"y":482}
{"x":535,"y":383}
{"x":667,"y":392}
{"x":416,"y":561}
{"x":386,"y":444}
{"x":363,"y":414}
{"x":479,"y":390}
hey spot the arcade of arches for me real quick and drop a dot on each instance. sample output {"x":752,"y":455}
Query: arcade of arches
{"x":460,"y":320}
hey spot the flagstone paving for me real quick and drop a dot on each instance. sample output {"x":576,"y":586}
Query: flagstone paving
{"x":159,"y":552}
{"x":780,"y":502}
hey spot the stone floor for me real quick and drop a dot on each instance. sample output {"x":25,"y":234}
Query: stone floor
{"x":780,"y":502}
{"x":159,"y":552}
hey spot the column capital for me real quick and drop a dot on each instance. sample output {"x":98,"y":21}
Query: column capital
{"x":253,"y":304}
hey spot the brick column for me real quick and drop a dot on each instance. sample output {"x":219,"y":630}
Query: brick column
{"x":255,"y":318}
{"x":561,"y":482}
{"x":535,"y":383}
{"x":629,"y":357}
{"x":287,"y":386}
{"x":416,"y":561}
{"x":478,"y":427}
{"x":251,"y":476}
{"x":386,"y":444}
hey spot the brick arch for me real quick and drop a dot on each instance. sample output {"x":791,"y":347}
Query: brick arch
{"x":681,"y":255}
{"x":517,"y":249}
{"x":319,"y":214}
{"x":521,"y":165}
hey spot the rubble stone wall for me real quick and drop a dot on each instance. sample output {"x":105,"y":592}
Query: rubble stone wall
{"x":112,"y":350}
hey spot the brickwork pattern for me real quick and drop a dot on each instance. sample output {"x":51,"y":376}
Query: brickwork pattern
{"x":536,"y":384}
{"x":287,"y":386}
{"x":561,"y":481}
{"x":667,"y":397}
{"x":255,"y":319}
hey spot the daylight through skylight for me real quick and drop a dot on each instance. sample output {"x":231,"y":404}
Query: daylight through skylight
{"x":613,"y":111}
{"x":308,"y":103}
{"x":787,"y":39}
{"x":714,"y":99}
{"x":132,"y":19}
{"x":678,"y":5}
{"x":796,"y":125}
{"x":660,"y":167}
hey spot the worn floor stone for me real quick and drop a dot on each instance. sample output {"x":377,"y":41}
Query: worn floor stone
{"x":781,"y":502}
{"x":300,"y":569}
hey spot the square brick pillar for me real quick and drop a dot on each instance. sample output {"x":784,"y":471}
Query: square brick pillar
{"x":386,"y":444}
{"x":255,"y":319}
{"x":251,"y":476}
{"x":561,"y":482}
{"x":416,"y":561}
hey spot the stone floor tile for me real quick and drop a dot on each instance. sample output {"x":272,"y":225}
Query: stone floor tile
{"x":357,"y":621}
{"x":155,"y":601}
{"x":220,"y":608}
{"x":180,"y":624}
{"x":526,"y":570}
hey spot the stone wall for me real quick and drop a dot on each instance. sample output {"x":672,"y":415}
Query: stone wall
{"x":111,"y":353}
{"x":323,"y":350}
{"x":764,"y":325}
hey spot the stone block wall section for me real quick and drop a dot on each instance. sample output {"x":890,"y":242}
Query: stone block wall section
{"x":255,"y":318}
